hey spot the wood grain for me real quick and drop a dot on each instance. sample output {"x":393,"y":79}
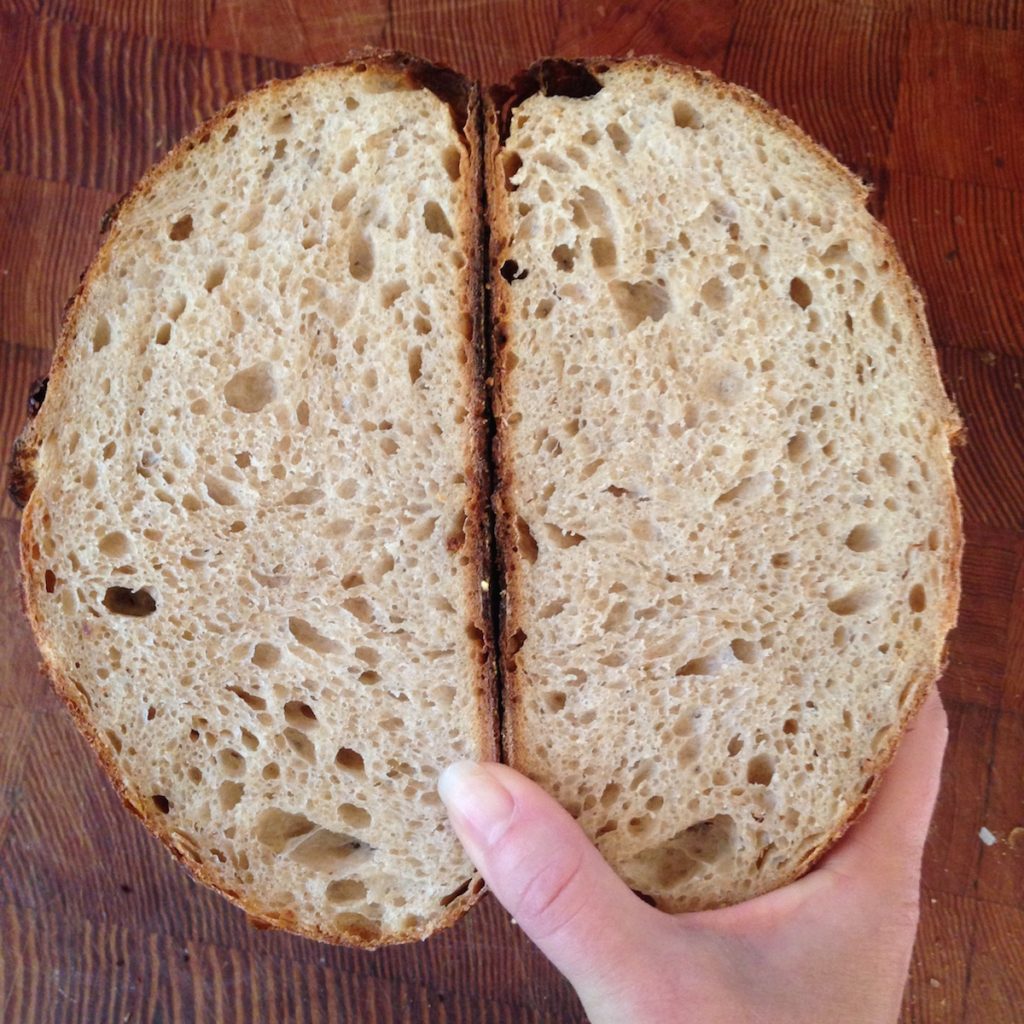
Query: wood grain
{"x":298,"y":31}
{"x":939,"y":968}
{"x":925,"y":98}
{"x":96,"y":108}
{"x":980,"y":647}
{"x":833,"y":67}
{"x":954,"y":848}
{"x":960,"y":238}
{"x":48,"y":234}
{"x":185,"y":22}
{"x":20,"y":365}
{"x":961,"y":93}
{"x":989,"y":391}
{"x":100,"y":971}
{"x":996,"y":988}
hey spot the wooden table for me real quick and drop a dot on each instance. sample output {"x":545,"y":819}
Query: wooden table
{"x":924,"y":98}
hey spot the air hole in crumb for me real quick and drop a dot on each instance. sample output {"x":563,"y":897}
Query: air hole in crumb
{"x":800,"y":292}
{"x":637,"y":301}
{"x":220,"y":492}
{"x":161,"y":803}
{"x":798,"y":447}
{"x":300,"y":743}
{"x":890,"y":462}
{"x":918,"y":598}
{"x":354,"y":816}
{"x":746,"y":651}
{"x":115,"y":544}
{"x":686,"y":116}
{"x":299,"y":714}
{"x":603,"y":252}
{"x":282,"y":124}
{"x":435,"y":220}
{"x":760,"y":769}
{"x":345,"y":890}
{"x":350,"y":760}
{"x":359,"y":608}
{"x":555,"y":701}
{"x":342,"y":198}
{"x":857,"y":600}
{"x":49,"y":581}
{"x":215,"y":275}
{"x":715,"y":293}
{"x":265,"y":655}
{"x":451,"y":159}
{"x":252,"y":389}
{"x":255,"y":702}
{"x":360,"y":258}
{"x":735,"y":745}
{"x":415,"y":362}
{"x":512,"y":163}
{"x":527,"y":542}
{"x":305,"y":496}
{"x":163,"y":334}
{"x":564,"y":257}
{"x":229,"y":794}
{"x":181,"y":228}
{"x":620,"y":140}
{"x":562,"y":538}
{"x":276,"y":828}
{"x":863,"y":538}
{"x":390,"y":293}
{"x":132,"y":603}
{"x":708,"y":665}
{"x":680,"y":857}
{"x":311,"y":637}
{"x":101,"y":334}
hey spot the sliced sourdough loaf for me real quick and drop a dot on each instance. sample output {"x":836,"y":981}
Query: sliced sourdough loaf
{"x":726,"y":513}
{"x":254,"y":534}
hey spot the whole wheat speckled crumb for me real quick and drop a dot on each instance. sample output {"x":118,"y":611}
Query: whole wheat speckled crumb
{"x":726,"y":511}
{"x":253,"y":542}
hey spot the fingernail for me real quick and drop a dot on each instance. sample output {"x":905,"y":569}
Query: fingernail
{"x":481,"y":803}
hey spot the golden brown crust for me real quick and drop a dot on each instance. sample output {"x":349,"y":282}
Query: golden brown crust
{"x":462,"y":97}
{"x":582,"y":78}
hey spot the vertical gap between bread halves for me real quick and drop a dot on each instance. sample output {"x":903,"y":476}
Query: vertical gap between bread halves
{"x":495,"y":583}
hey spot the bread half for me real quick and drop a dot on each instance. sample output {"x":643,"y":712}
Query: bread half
{"x":726,"y":515}
{"x":254,"y":535}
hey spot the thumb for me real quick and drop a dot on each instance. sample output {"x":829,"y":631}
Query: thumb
{"x":548,"y":875}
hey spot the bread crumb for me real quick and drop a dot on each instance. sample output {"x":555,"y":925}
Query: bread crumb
{"x":986,"y":837}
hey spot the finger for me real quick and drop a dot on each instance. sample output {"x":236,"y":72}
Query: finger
{"x":547,"y":874}
{"x":887,"y":841}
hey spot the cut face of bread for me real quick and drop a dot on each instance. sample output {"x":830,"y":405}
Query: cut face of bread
{"x":726,"y":512}
{"x":254,"y":544}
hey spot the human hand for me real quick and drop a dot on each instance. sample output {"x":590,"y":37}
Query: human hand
{"x":833,"y":946}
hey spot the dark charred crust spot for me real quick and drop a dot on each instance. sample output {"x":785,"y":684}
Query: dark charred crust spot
{"x":447,"y":85}
{"x":37,"y":395}
{"x":456,"y":893}
{"x":551,"y":76}
{"x":511,"y":272}
{"x":111,"y":214}
{"x":21,"y":476}
{"x":649,"y":900}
